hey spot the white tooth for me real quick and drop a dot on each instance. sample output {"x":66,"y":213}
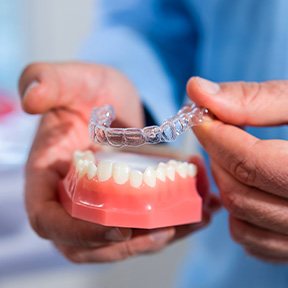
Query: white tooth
{"x":88,"y":155}
{"x":161,"y":172}
{"x":91,"y":171}
{"x":192,"y":170}
{"x":104,"y":170}
{"x":136,"y":178}
{"x":150,"y":176}
{"x":173,"y":163}
{"x":77,"y":156}
{"x":121,"y":172}
{"x":79,"y":166}
{"x":170,"y":172}
{"x":82,"y":166}
{"x":182,"y":169}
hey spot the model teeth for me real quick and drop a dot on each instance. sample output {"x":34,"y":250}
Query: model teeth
{"x":91,"y":170}
{"x":150,"y":177}
{"x":170,"y":172}
{"x":161,"y":172}
{"x":87,"y":155}
{"x":192,"y":170}
{"x":136,"y":178}
{"x":104,"y":170}
{"x":182,"y":169}
{"x":121,"y":173}
{"x":82,"y":166}
{"x":173,"y":163}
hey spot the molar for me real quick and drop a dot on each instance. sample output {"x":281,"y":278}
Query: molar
{"x":79,"y":155}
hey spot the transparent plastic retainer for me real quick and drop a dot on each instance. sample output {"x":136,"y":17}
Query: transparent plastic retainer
{"x":102,"y":118}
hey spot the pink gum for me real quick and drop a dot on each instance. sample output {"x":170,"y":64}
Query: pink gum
{"x":107,"y":203}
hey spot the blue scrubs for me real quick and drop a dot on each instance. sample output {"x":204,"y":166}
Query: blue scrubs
{"x":159,"y":44}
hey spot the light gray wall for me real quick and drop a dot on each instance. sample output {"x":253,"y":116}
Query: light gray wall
{"x":56,"y":28}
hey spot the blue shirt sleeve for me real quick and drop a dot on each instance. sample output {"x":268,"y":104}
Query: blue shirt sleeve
{"x":147,"y":41}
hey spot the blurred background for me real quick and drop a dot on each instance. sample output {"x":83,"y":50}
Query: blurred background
{"x":53,"y":30}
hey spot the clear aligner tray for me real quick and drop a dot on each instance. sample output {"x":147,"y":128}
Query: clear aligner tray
{"x":102,"y":118}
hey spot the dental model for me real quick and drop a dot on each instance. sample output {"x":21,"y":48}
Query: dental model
{"x":142,"y":189}
{"x":102,"y":117}
{"x":131,"y":190}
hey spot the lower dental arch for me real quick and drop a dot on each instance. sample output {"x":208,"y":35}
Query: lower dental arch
{"x":84,"y":163}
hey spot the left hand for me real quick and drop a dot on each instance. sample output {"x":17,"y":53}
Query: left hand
{"x":251,"y":174}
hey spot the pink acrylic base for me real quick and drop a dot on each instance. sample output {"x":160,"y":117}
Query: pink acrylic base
{"x":170,"y":203}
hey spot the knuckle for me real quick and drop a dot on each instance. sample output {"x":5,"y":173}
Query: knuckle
{"x":243,"y":171}
{"x":251,"y":92}
{"x":238,"y":232}
{"x":232,"y":202}
{"x":127,"y":250}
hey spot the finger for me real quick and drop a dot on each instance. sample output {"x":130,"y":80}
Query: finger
{"x":44,"y":87}
{"x":261,"y":255}
{"x":210,"y":200}
{"x":183,"y":231}
{"x":50,"y":220}
{"x":242,"y":103}
{"x":203,"y":185}
{"x":250,"y":204}
{"x":253,"y":238}
{"x":142,"y":243}
{"x":248,"y":159}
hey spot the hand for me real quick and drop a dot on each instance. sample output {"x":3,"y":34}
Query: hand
{"x":252,"y":174}
{"x":65,"y":95}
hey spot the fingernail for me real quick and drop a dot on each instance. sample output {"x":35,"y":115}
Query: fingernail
{"x":208,"y":86}
{"x":160,"y":236}
{"x":31,"y":86}
{"x":118,"y":234}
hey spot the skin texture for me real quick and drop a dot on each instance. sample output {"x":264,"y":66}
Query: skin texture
{"x":251,"y":174}
{"x":64,"y":94}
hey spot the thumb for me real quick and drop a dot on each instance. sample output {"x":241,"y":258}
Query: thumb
{"x":44,"y":86}
{"x":242,"y":103}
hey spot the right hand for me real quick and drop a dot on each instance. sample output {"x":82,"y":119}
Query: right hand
{"x":65,"y":95}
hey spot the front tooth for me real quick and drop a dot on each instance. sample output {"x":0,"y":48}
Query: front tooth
{"x":121,"y":173}
{"x":104,"y":170}
{"x":192,"y":170}
{"x":91,"y":171}
{"x":136,"y":178}
{"x":150,"y":176}
{"x":170,"y":172}
{"x":182,"y":169}
{"x":160,"y":172}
